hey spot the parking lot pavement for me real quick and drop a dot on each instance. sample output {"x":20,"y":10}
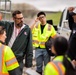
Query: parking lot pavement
{"x":33,"y":67}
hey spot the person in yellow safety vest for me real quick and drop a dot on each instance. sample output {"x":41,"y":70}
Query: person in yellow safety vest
{"x":8,"y":62}
{"x":61,"y":64}
{"x":41,"y":32}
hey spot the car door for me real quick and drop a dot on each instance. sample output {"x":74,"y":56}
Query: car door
{"x":63,"y":27}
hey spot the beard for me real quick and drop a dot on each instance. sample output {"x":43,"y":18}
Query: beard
{"x":20,"y":24}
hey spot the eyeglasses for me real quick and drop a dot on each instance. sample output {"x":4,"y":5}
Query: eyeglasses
{"x":41,"y":17}
{"x":18,"y":18}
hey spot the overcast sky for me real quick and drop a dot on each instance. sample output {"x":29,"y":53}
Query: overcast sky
{"x":52,"y":5}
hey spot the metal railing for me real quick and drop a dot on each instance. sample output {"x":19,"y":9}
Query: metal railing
{"x":5,"y":9}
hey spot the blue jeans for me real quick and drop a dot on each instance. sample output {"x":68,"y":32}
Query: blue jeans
{"x":41,"y":56}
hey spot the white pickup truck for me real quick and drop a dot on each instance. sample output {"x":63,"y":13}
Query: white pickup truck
{"x":63,"y":27}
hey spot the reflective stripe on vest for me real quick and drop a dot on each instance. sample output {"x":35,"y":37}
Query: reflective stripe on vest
{"x":2,"y":59}
{"x":41,"y":43}
{"x":4,"y":74}
{"x":49,"y":27}
{"x":58,"y":67}
{"x":35,"y":41}
{"x":13,"y":60}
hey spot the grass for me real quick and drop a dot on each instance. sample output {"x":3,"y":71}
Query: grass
{"x":54,"y":16}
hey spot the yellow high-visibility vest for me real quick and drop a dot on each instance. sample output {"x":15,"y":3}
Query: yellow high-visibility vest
{"x":8,"y":61}
{"x":40,"y":39}
{"x":55,"y":67}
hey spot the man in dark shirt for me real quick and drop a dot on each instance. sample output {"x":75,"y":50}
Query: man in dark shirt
{"x":72,"y":39}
